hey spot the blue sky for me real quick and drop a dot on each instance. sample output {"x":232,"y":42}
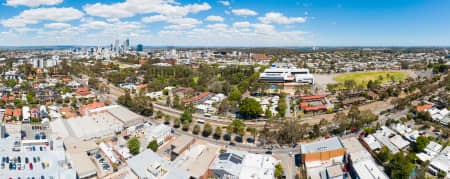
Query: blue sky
{"x":226,"y":23}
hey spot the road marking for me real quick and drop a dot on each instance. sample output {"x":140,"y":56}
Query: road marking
{"x":290,"y":162}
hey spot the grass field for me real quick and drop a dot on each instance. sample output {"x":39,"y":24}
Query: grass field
{"x":363,"y":78}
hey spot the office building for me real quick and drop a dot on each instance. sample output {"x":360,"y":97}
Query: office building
{"x":281,"y":75}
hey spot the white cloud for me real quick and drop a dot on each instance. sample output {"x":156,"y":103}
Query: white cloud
{"x":215,"y":18}
{"x":218,"y":26}
{"x":244,"y":12}
{"x":241,"y":24}
{"x":263,"y":28}
{"x":222,"y":35}
{"x":155,"y":18}
{"x":32,"y":3}
{"x":57,"y":25}
{"x":274,"y":17}
{"x":34,"y":16}
{"x":180,"y":26}
{"x":95,"y":25}
{"x":130,"y":8}
{"x":225,"y":3}
{"x":173,"y":20}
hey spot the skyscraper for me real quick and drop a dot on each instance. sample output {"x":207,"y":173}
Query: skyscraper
{"x":116,"y":46}
{"x":127,"y":44}
{"x":140,"y":48}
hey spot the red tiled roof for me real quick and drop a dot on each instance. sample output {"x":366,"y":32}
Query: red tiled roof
{"x":143,"y":86}
{"x":8,"y":112}
{"x":315,"y":108}
{"x":196,"y":98}
{"x":83,"y":91}
{"x":303,"y":105}
{"x":94,"y":105}
{"x":261,"y":57}
{"x":17,"y":112}
{"x":312,"y":97}
{"x":422,"y":108}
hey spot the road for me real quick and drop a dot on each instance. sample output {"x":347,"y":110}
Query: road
{"x":213,"y":119}
{"x":288,"y":163}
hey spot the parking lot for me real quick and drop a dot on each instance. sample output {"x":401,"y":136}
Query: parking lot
{"x":29,"y":161}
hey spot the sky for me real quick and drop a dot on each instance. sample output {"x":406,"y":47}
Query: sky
{"x":243,"y":23}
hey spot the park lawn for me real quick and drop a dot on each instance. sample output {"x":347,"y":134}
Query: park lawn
{"x":364,"y":78}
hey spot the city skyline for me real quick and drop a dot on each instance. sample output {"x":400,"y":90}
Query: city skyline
{"x":224,"y":23}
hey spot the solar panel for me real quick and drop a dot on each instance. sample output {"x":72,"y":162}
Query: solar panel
{"x":224,"y":156}
{"x":236,"y":159}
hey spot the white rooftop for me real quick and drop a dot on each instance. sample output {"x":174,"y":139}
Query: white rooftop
{"x":333,"y":143}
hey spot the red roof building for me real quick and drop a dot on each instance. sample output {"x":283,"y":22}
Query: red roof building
{"x":261,"y":57}
{"x":143,"y":86}
{"x":316,"y":108}
{"x":197,"y":98}
{"x":83,"y":91}
{"x":94,"y":105}
{"x":8,"y":112}
{"x":17,"y":112}
{"x":319,"y":97}
{"x":422,"y":108}
{"x":303,"y":105}
{"x":5,"y":98}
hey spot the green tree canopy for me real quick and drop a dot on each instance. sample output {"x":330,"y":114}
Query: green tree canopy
{"x":186,"y":116}
{"x":421,"y":143}
{"x":399,"y":166}
{"x":249,"y":107}
{"x":134,"y":145}
{"x":153,"y":145}
{"x":235,"y":95}
{"x":278,"y":172}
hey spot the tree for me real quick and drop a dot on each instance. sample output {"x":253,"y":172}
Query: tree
{"x":278,"y":172}
{"x":421,"y":143}
{"x":153,"y":145}
{"x":249,"y":107}
{"x":186,"y":116}
{"x":241,"y":132}
{"x":196,"y":129}
{"x":236,"y":125}
{"x":441,"y":174}
{"x":11,"y":83}
{"x":134,"y":145}
{"x":235,"y":95}
{"x":349,"y":84}
{"x":218,"y":132}
{"x":399,"y":166}
{"x":207,"y":130}
{"x":268,"y":114}
{"x":384,"y":154}
{"x":176,"y":123}
{"x":186,"y":125}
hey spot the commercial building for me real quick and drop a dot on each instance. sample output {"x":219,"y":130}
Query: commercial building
{"x":160,"y":133}
{"x":197,"y":159}
{"x":430,"y":151}
{"x":148,"y":164}
{"x":179,"y":145}
{"x":240,"y":164}
{"x":79,"y":153}
{"x":441,"y":163}
{"x":324,"y":151}
{"x":281,"y":75}
{"x":360,"y":163}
